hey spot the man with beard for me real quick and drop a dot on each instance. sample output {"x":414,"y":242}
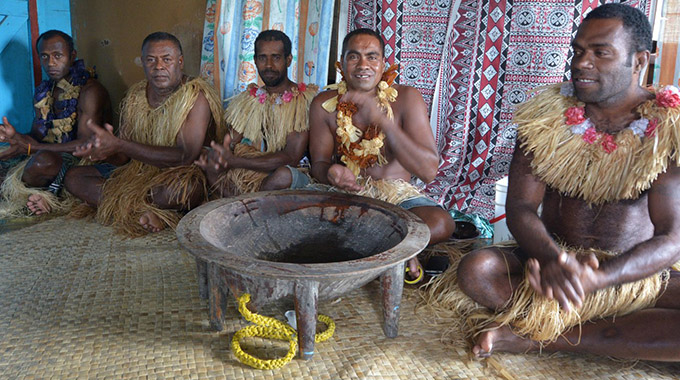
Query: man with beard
{"x":269,"y":129}
{"x":63,"y":103}
{"x":601,"y":155}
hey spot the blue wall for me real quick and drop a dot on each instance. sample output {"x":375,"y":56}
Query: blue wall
{"x":16,"y":69}
{"x":16,"y":79}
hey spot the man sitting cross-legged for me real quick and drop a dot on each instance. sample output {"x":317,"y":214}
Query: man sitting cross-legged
{"x":369,"y":136}
{"x":601,"y":155}
{"x":165,"y":120}
{"x":63,"y":103}
{"x":269,"y":125}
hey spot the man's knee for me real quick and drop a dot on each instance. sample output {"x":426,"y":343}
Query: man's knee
{"x":439,"y":222}
{"x":165,"y":197}
{"x":279,"y":179}
{"x":479,"y":267}
{"x":442,"y":228}
{"x":477,"y":263}
{"x":73,"y":179}
{"x":484,"y":276}
{"x":42,"y":168}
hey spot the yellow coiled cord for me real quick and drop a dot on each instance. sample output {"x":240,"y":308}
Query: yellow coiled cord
{"x":267,"y":327}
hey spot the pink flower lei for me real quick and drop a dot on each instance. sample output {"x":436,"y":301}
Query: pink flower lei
{"x":668,"y":97}
{"x":580,"y":125}
{"x":574,"y":116}
{"x":261,"y":94}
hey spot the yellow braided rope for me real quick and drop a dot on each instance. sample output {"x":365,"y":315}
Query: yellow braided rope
{"x":267,"y":327}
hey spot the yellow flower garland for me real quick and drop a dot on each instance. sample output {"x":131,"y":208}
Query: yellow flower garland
{"x":359,"y":150}
{"x":271,"y":328}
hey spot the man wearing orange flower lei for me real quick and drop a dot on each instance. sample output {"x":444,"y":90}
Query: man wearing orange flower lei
{"x":369,"y":136}
{"x":591,"y":273}
{"x":269,"y":128}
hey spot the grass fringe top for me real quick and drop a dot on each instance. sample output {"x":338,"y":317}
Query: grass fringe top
{"x":576,"y":168}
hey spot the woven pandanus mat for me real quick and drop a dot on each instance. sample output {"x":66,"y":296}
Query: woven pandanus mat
{"x":77,"y":301}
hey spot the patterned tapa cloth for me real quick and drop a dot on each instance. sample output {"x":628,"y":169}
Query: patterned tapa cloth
{"x":474,"y":62}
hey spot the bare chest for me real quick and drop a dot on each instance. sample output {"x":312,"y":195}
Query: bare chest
{"x":616,"y":226}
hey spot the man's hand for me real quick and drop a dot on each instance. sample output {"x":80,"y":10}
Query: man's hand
{"x":202,"y":161}
{"x":211,"y":161}
{"x":216,"y":160}
{"x":368,"y":108}
{"x":7,"y":131}
{"x":101,"y":145}
{"x":9,"y":135}
{"x":567,"y":279}
{"x":341,"y":177}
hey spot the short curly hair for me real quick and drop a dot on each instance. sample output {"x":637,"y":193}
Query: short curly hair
{"x":634,"y":21}
{"x":162,"y":36}
{"x":55,"y":33}
{"x":275,"y":35}
{"x":364,"y":31}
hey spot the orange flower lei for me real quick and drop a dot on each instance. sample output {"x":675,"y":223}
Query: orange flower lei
{"x":359,"y":150}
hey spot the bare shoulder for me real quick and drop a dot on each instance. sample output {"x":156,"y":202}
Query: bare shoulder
{"x":322,"y":97}
{"x":409,"y":99}
{"x":408,"y":93}
{"x":410,"y":105}
{"x":201,"y":98}
{"x":201,"y":107}
{"x":94,"y":88}
{"x":667,"y":183}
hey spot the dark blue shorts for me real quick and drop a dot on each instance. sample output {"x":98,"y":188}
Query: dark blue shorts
{"x":105,"y":169}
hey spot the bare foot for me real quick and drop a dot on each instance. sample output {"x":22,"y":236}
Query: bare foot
{"x":37,"y":204}
{"x":414,"y":269}
{"x":151,"y":222}
{"x":500,"y":339}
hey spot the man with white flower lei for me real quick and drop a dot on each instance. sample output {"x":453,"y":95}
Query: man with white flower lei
{"x":603,"y":162}
{"x":269,"y":128}
{"x":369,"y":137}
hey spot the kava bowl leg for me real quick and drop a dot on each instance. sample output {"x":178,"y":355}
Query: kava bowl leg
{"x":202,"y":270}
{"x":306,"y":295}
{"x":217,"y":297}
{"x":392,"y":282}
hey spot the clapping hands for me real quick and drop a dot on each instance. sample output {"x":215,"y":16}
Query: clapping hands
{"x":216,"y":159}
{"x":101,"y":144}
{"x":568,"y":279}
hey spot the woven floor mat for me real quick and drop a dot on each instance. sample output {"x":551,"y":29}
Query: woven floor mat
{"x":77,"y":301}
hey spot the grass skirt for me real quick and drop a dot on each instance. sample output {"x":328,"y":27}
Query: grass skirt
{"x":394,"y":191}
{"x":531,"y":315}
{"x":126,"y":195}
{"x":14,"y":194}
{"x":241,"y":181}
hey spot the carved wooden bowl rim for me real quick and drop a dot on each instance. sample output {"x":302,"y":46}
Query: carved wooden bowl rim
{"x":189,"y":236}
